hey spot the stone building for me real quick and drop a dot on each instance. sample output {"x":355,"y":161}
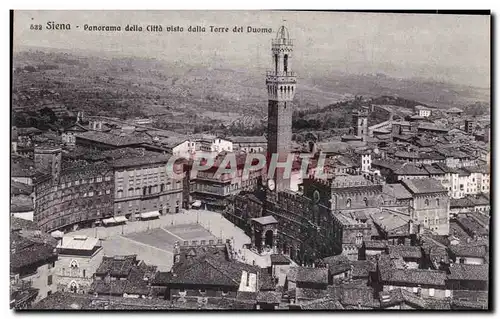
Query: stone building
{"x":79,"y":258}
{"x":82,"y":196}
{"x":430,"y":205}
{"x":145,"y":184}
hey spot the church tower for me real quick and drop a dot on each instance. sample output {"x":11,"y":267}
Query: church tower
{"x":281,"y":84}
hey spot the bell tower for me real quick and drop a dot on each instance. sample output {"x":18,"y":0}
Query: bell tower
{"x":281,"y":84}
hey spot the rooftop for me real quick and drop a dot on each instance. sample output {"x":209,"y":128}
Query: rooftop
{"x":265,"y":220}
{"x":312,"y":275}
{"x":468,"y":272}
{"x":78,"y":242}
{"x":423,"y":186}
{"x":110,"y":139}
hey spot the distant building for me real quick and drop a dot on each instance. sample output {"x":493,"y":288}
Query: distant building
{"x":454,"y":111}
{"x":249,"y":144}
{"x":423,"y":111}
{"x":469,"y":126}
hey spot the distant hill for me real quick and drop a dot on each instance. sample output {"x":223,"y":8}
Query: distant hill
{"x":178,"y":95}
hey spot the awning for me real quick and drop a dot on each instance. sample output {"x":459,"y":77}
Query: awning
{"x":120,"y":219}
{"x":150,"y":214}
{"x":57,"y":234}
{"x":196,"y":204}
{"x":115,"y":220}
{"x":110,"y":220}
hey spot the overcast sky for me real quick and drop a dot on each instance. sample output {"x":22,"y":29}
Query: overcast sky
{"x":445,"y":47}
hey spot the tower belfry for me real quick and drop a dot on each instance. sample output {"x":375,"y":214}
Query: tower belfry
{"x":281,"y":84}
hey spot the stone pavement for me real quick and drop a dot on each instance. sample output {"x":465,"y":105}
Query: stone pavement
{"x":115,"y":241}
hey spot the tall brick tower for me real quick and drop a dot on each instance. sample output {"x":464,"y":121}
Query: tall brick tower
{"x":281,"y":84}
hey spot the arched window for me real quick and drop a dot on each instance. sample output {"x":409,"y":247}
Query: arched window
{"x":359,"y":239}
{"x":73,"y":287}
{"x":285,"y":63}
{"x":366,"y":201}
{"x":437,"y":201}
{"x":348,"y":203}
{"x":119,"y":194}
{"x":426,"y":202}
{"x":276,"y":63}
{"x":73,"y":264}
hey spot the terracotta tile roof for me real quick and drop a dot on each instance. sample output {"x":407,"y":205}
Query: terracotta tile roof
{"x":410,"y":169}
{"x":423,"y":186}
{"x":362,"y":268}
{"x":405,"y":251}
{"x":469,"y":251}
{"x":266,"y":281}
{"x":413,"y":277}
{"x":117,"y":266}
{"x":280,"y":259}
{"x":110,"y":139}
{"x":26,"y":252}
{"x":211,"y":271}
{"x":327,"y":303}
{"x":468,"y":272}
{"x":359,"y":296}
{"x":22,"y":224}
{"x":312,"y":275}
{"x":397,"y":191}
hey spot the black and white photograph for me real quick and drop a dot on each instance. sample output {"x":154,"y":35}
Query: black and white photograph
{"x":250,"y":160}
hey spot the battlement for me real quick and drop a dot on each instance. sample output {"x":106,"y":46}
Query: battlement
{"x":198,"y":243}
{"x":320,"y":182}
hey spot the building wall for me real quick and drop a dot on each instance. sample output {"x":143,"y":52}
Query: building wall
{"x":201,"y":291}
{"x":146,"y":188}
{"x":82,"y":275}
{"x":251,"y":147}
{"x":220,"y":145}
{"x":470,"y":260}
{"x":185,"y":149}
{"x":426,"y":292}
{"x":432,"y":210}
{"x":77,"y":198}
{"x":44,"y":280}
{"x":356,"y":197}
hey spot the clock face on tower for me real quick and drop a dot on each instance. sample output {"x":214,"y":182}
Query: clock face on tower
{"x":271,"y":185}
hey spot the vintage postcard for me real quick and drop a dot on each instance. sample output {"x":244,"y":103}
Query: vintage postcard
{"x":250,"y":160}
